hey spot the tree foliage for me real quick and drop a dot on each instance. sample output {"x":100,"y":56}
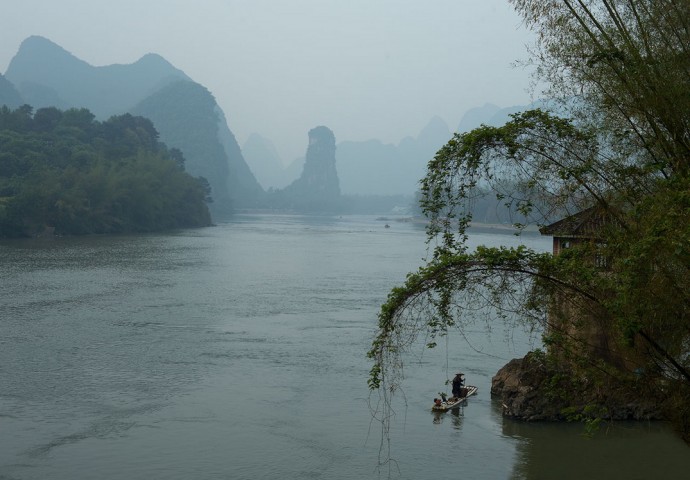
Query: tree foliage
{"x":63,"y":170}
{"x":616,"y":143}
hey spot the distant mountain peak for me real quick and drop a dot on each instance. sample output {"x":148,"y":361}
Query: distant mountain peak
{"x":434,"y":135}
{"x":185,"y":113}
{"x":153,"y":59}
{"x":265,"y":162}
{"x":45,"y":74}
{"x":434,"y":126}
{"x":37,"y":41}
{"x":39,"y":47}
{"x":437,"y":121}
{"x":256,"y":138}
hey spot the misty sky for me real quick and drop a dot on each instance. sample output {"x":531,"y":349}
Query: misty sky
{"x":364,"y":68}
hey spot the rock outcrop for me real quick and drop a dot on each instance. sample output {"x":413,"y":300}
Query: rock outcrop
{"x":529,"y":390}
{"x":318,"y":188}
{"x":519,"y":384}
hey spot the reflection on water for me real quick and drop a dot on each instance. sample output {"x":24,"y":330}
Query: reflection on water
{"x":626,"y":450}
{"x":454,"y":415}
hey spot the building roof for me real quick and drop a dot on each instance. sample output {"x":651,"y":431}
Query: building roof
{"x":584,"y":224}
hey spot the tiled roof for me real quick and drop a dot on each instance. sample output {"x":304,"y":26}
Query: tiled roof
{"x":586,"y":223}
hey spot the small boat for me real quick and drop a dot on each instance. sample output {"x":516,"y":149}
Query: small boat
{"x":454,"y":402}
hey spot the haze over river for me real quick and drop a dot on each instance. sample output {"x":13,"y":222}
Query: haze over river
{"x":239,"y":352}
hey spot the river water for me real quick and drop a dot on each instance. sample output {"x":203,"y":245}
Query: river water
{"x":239,"y":352}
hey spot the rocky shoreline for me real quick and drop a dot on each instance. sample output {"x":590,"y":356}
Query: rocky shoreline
{"x":527,"y":391}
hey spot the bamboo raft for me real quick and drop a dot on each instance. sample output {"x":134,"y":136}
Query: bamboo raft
{"x":454,"y":402}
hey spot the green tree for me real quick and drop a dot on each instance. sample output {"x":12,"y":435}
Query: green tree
{"x":66,"y":172}
{"x":618,"y":72}
{"x":46,"y":119}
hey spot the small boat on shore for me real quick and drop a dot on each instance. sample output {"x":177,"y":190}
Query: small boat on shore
{"x":454,"y":402}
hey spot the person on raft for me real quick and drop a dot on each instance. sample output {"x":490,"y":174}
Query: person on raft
{"x":459,"y":390}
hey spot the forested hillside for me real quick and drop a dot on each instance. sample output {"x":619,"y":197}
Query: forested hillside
{"x":184,"y":113}
{"x":65,"y":173}
{"x":8,"y":94}
{"x":188,"y":118}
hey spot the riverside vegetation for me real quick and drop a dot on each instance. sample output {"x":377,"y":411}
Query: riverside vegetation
{"x":63,"y":172}
{"x":614,"y":307}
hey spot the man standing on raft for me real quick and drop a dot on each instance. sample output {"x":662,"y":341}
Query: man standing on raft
{"x":459,"y":390}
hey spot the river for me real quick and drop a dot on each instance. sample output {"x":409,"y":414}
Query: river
{"x":239,"y":352}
